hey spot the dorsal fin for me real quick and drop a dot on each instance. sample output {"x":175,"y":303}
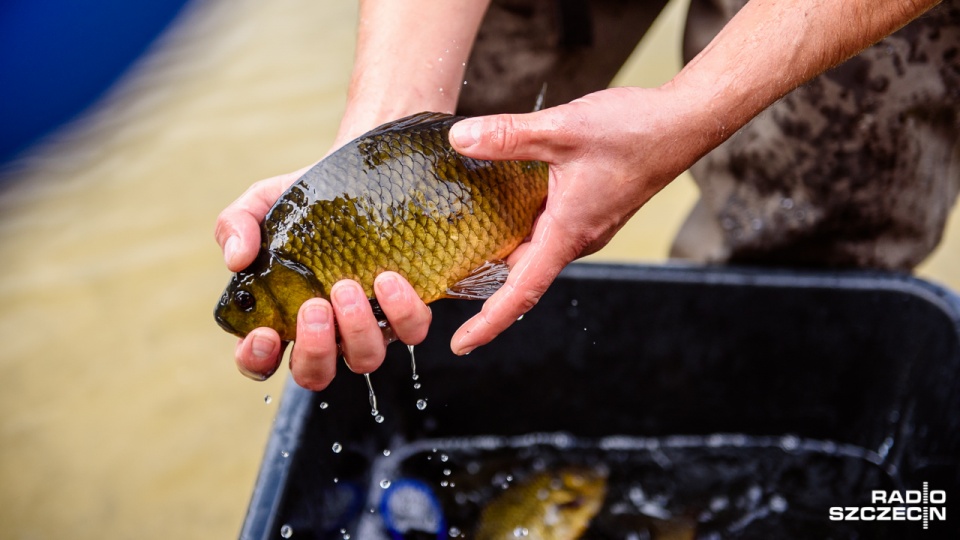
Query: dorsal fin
{"x":406,"y":122}
{"x":543,"y":93}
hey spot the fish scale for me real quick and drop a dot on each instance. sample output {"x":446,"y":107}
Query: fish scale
{"x":398,"y":198}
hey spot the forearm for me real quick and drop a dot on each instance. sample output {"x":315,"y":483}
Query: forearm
{"x":770,"y":47}
{"x":410,"y":57}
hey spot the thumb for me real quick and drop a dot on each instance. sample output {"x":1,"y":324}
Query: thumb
{"x":506,"y":136}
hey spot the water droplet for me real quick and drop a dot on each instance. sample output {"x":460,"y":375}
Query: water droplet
{"x":778,"y":504}
{"x":421,"y":404}
{"x":285,"y":454}
{"x":520,"y":532}
{"x":574,"y":302}
{"x":378,"y":418}
{"x":446,"y":472}
{"x":386,"y":452}
{"x":786,"y":203}
{"x":384,"y":483}
{"x":584,"y":328}
{"x":444,"y":457}
{"x":415,"y":376}
{"x":336,"y":480}
{"x":337,"y":448}
{"x":719,"y":503}
{"x":324,"y":404}
{"x":464,"y":83}
{"x":789,"y":443}
{"x":416,"y":386}
{"x":444,"y":483}
{"x":267,"y":399}
{"x":454,"y":532}
{"x":441,"y":89}
{"x":286,"y":531}
{"x":413,"y":362}
{"x":372,"y":396}
{"x":520,"y":318}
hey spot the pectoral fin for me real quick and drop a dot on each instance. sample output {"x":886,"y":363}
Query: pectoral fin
{"x":482,"y":282}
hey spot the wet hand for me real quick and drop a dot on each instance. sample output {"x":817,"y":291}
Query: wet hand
{"x":609,"y":152}
{"x":315,"y":351}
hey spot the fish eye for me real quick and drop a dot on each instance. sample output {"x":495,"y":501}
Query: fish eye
{"x":245,"y":301}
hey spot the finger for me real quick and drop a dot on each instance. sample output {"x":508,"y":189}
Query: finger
{"x":534,"y":271}
{"x":313,"y":360}
{"x":360,"y":337}
{"x":533,"y":136}
{"x":238,"y":225}
{"x":408,"y":315}
{"x":258,"y":354}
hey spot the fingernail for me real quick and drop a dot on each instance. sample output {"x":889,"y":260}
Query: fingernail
{"x":347,"y":296}
{"x":316,"y":318}
{"x":261,"y":347}
{"x":389,"y":287}
{"x":230,"y":249}
{"x":251,"y":375}
{"x":465,"y":133}
{"x":462,"y":348}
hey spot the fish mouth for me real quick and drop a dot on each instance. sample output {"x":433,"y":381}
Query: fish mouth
{"x":221,"y":320}
{"x":224,"y":324}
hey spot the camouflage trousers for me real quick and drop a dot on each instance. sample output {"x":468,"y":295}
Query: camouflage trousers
{"x":857,"y":168}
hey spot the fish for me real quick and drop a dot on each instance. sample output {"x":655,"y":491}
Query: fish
{"x":398,"y":198}
{"x":550,"y":505}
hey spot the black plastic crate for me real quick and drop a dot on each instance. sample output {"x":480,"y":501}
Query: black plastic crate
{"x":711,"y":367}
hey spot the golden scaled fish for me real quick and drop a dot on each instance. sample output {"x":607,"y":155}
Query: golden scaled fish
{"x":397,"y":198}
{"x":556,"y":505}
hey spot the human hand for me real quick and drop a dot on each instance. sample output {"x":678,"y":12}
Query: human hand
{"x":319,"y":321}
{"x":609,"y":152}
